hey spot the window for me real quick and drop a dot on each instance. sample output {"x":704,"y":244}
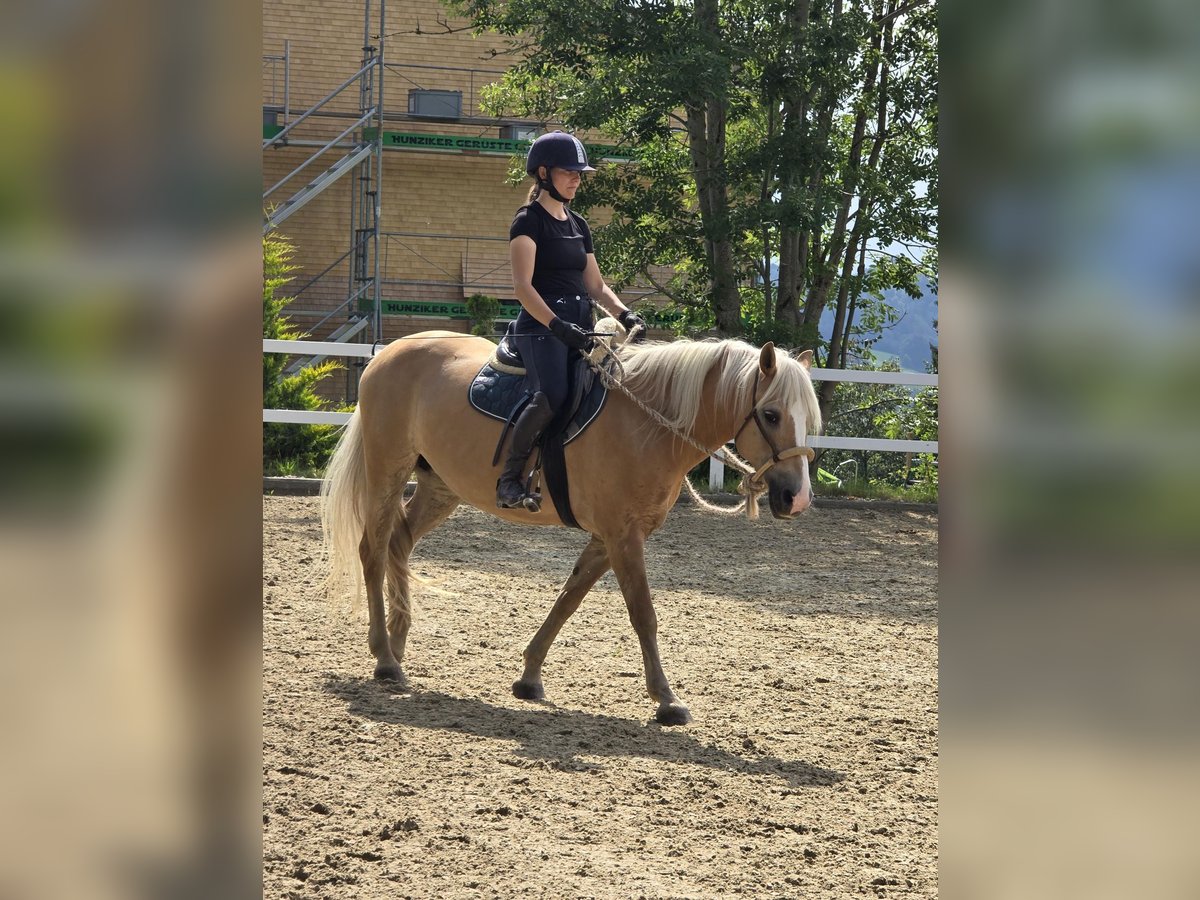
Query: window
{"x":518,"y":132}
{"x":435,"y":104}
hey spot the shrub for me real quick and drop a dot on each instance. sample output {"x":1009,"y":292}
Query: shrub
{"x":483,"y":311}
{"x":287,"y":448}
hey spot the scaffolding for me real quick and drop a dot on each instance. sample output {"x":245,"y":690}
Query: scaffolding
{"x":355,"y":133}
{"x":360,"y":144}
{"x":349,"y":127}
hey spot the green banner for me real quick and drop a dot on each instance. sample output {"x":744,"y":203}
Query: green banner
{"x":455,"y":143}
{"x":442,"y":309}
{"x":509,"y":309}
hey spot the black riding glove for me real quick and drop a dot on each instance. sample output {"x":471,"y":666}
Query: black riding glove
{"x":631,"y":320}
{"x":571,"y":335}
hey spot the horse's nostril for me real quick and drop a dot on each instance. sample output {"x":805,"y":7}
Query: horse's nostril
{"x":788,"y":497}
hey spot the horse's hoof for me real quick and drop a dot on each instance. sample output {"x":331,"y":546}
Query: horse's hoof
{"x":389,"y":672}
{"x":528,"y":690}
{"x":673,"y":714}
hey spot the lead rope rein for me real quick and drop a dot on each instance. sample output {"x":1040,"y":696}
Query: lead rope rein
{"x":751,"y":486}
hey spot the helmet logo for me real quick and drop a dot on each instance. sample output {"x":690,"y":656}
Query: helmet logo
{"x":579,"y":150}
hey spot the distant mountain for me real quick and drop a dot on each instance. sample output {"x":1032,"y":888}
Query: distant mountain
{"x":908,"y":340}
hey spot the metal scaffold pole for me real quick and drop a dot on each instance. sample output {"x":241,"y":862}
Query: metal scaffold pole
{"x":287,"y":81}
{"x":379,"y":68}
{"x":364,"y":274}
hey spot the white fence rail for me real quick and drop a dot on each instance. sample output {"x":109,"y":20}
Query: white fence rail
{"x":323,"y":348}
{"x":716,"y":467}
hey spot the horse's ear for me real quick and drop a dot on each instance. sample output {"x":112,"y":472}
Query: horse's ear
{"x":805,"y":359}
{"x":766,"y":358}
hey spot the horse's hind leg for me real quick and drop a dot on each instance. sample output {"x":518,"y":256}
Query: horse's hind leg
{"x":379,"y":523}
{"x":593,"y":563}
{"x":428,"y":508}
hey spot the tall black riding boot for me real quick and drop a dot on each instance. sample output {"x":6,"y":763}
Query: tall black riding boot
{"x":510,"y":489}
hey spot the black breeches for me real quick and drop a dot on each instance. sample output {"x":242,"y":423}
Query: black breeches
{"x":547,"y":359}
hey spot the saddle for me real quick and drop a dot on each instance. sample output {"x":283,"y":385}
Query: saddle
{"x":500,"y":392}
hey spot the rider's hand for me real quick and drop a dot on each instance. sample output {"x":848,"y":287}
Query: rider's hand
{"x":631,"y":320}
{"x":571,"y":335}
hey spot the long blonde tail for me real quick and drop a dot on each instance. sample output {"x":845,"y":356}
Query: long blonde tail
{"x":342,"y":510}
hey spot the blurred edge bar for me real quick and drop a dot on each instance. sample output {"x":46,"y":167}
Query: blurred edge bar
{"x":130,"y":511}
{"x":1070,"y":313}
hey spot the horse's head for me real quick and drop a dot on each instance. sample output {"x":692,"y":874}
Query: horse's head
{"x":773,"y":437}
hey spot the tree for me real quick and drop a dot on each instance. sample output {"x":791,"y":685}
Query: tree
{"x":658,"y":76}
{"x":803,"y":130}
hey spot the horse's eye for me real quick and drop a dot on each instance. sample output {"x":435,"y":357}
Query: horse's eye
{"x":771,"y":416}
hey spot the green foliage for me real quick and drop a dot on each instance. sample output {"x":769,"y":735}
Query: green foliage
{"x":778,"y":131}
{"x":915,"y":421}
{"x":759,"y":327}
{"x":483,"y":311}
{"x":918,"y":492}
{"x":891,"y":411}
{"x":289,"y":449}
{"x":825,"y":484}
{"x":791,"y":108}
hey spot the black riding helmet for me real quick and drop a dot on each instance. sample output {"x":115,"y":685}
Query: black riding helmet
{"x":556,"y":150}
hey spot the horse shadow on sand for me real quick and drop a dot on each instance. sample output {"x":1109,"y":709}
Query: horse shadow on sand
{"x":559,"y":737}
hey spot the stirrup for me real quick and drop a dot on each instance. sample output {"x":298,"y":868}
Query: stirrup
{"x":530,"y":502}
{"x":526,"y":500}
{"x":531,"y":499}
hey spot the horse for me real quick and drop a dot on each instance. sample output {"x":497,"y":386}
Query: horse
{"x":625,"y":473}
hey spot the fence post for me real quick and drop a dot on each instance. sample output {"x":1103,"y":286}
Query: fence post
{"x":716,"y":475}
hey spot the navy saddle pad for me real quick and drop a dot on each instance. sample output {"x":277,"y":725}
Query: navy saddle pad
{"x":495,"y":392}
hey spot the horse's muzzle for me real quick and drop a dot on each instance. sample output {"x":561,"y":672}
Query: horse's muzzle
{"x":788,"y":501}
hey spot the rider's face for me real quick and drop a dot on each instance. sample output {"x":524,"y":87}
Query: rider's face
{"x":566,"y":182}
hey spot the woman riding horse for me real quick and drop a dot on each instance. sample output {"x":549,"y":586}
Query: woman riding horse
{"x":554,"y":273}
{"x":414,"y":419}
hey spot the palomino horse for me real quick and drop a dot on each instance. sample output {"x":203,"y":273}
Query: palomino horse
{"x":625,"y":472}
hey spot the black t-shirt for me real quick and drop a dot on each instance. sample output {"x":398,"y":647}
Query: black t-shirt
{"x":562,"y":249}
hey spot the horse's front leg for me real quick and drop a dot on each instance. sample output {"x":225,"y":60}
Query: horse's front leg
{"x":593,"y":563}
{"x":629,"y":563}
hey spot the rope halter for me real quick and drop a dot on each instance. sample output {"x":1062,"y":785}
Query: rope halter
{"x":752,"y":483}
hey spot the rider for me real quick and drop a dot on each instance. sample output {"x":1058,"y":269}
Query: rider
{"x":554,"y":271}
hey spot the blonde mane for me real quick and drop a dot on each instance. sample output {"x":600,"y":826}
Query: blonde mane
{"x":669,"y":377}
